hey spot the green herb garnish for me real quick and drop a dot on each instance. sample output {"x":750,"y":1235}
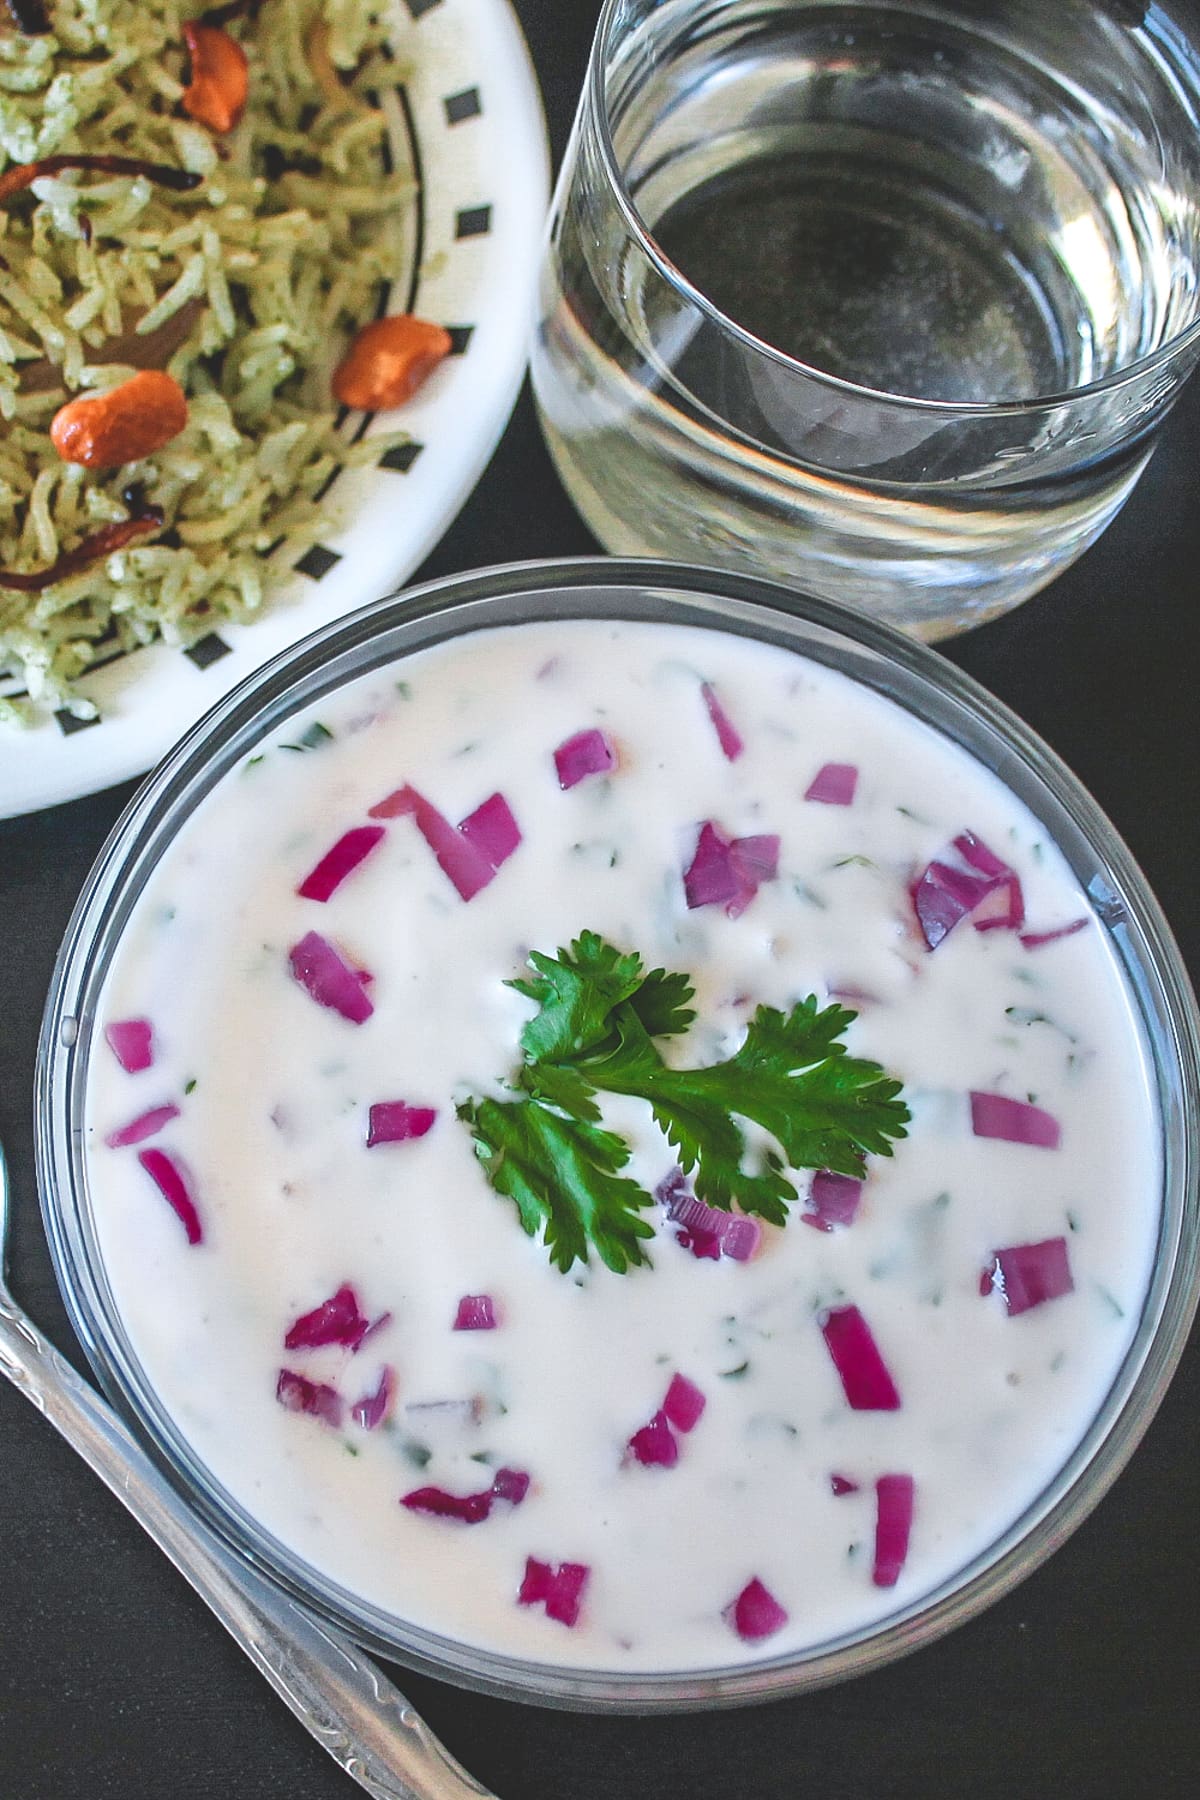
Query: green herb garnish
{"x":599,"y":1012}
{"x":313,"y":737}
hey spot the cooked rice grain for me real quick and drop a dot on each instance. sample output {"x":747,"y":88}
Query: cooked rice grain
{"x":279,"y":254}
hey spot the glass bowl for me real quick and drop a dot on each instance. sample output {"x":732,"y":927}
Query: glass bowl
{"x":913,"y":678}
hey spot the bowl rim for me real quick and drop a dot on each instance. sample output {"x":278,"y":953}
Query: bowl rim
{"x":905,"y":672}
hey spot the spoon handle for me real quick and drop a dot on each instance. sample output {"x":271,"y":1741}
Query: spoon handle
{"x":336,"y":1691}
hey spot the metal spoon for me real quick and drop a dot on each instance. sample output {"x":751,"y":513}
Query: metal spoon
{"x":335,"y":1691}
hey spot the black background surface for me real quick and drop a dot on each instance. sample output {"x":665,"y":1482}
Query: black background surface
{"x":116,"y":1683}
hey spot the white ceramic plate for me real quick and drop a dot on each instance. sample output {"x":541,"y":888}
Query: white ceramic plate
{"x":466,"y":110}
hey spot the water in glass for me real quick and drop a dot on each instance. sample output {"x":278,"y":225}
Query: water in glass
{"x":991,"y":207}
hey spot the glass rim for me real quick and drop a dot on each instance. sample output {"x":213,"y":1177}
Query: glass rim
{"x":595,"y":85}
{"x":935,"y":690}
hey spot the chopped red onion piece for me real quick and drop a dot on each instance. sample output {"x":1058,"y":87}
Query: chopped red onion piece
{"x":654,"y":1445}
{"x":672,"y":1189}
{"x":1017,"y":1122}
{"x":833,"y":784}
{"x":842,"y":1484}
{"x":704,"y":1230}
{"x":894,"y":1496}
{"x":171,"y":1182}
{"x":300,"y":1395}
{"x":459,"y":859}
{"x":144,"y":1126}
{"x":695,"y":1216}
{"x":131,"y":1042}
{"x":756,"y":1613}
{"x":476,"y":1312}
{"x":338,"y":1320}
{"x":946,"y":892}
{"x":401,"y":803}
{"x":509,"y":1485}
{"x":712,"y":878}
{"x":1027,"y":1275}
{"x":1003,"y":909}
{"x":331,"y":981}
{"x":468,"y":1509}
{"x":757,"y":858}
{"x":587,"y":753}
{"x":740,"y":1238}
{"x":728,"y":735}
{"x":463,"y":862}
{"x":729,"y":871}
{"x":941,"y":896}
{"x":682,"y":1206}
{"x":492,"y":830}
{"x":374,"y":1407}
{"x":1033,"y":940}
{"x":351,"y":848}
{"x":566,"y":1593}
{"x":705,"y":1246}
{"x":976,"y":854}
{"x":559,"y":1590}
{"x":684,"y":1403}
{"x":833,"y":1200}
{"x":395,"y":1122}
{"x":868,"y":1385}
{"x":537,"y":1584}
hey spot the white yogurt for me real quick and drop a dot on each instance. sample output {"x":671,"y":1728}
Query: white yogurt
{"x":274,"y":1092}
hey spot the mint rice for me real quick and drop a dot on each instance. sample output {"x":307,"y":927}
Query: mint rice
{"x":245,"y":289}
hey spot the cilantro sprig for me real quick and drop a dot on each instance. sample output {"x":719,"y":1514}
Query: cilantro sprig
{"x":599,"y":1012}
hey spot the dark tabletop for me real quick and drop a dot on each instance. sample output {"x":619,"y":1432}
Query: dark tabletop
{"x":117,"y":1684}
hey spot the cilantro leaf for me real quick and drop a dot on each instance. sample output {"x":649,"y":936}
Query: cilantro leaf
{"x":561,"y":1085}
{"x":575,"y":993}
{"x":598,"y":1015}
{"x":661,"y":1004}
{"x":578,"y":992}
{"x":826,"y":1110}
{"x":562,"y":1175}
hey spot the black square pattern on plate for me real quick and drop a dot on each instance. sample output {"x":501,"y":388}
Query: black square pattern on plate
{"x":473,"y":221}
{"x":329,"y":480}
{"x":387,"y":160}
{"x":317,"y":561}
{"x":461,"y":106}
{"x":418,"y":8}
{"x":207,"y":650}
{"x":400,"y":457}
{"x":460,"y":337}
{"x":68,"y":724}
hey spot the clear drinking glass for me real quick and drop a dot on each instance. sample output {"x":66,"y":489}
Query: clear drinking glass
{"x":883,"y":299}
